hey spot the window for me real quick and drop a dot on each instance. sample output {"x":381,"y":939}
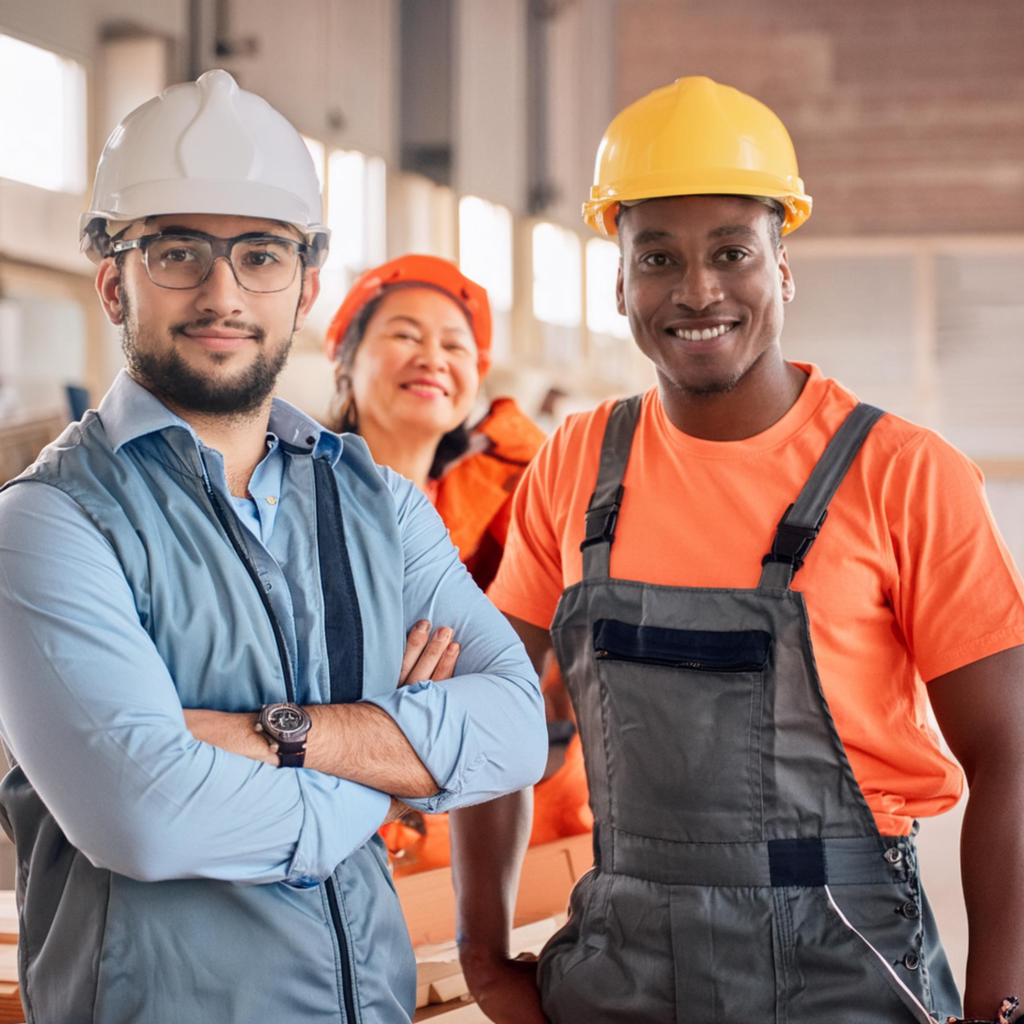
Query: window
{"x":603,"y":316}
{"x":557,"y":278}
{"x":356,"y":211}
{"x":485,"y":248}
{"x":43,"y":107}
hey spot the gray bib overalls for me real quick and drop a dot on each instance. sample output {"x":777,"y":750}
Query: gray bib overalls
{"x":739,"y":875}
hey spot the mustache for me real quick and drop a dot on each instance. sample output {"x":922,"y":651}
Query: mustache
{"x":181,"y":330}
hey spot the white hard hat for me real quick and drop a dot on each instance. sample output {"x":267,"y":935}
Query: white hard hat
{"x":205,"y":147}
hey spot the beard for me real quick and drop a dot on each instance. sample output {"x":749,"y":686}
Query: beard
{"x":168,"y":376}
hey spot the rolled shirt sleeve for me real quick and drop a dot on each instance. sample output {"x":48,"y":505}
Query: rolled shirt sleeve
{"x":481,"y":734}
{"x":91,"y":713}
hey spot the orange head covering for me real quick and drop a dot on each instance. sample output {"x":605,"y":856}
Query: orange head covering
{"x":428,"y":270}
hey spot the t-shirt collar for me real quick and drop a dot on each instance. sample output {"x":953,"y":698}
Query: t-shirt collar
{"x":796,"y":417}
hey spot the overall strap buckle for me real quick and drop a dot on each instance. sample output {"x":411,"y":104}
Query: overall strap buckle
{"x":792,"y":542}
{"x":601,"y":521}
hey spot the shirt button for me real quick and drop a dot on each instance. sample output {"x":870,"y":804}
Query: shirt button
{"x":911,"y":910}
{"x":911,"y":961}
{"x":894,"y":855}
{"x":271,"y":500}
{"x":268,"y":586}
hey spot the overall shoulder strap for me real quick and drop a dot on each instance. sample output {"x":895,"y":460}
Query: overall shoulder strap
{"x":605,"y":502}
{"x":799,"y":527}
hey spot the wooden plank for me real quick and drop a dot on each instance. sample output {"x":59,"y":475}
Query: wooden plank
{"x":428,"y":903}
{"x":439,"y":979}
{"x":453,"y":1013}
{"x":9,"y":963}
{"x":429,"y":974}
{"x":549,"y":873}
{"x":545,"y":883}
{"x":581,"y":854}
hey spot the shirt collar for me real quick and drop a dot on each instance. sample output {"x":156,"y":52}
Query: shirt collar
{"x":128,"y":411}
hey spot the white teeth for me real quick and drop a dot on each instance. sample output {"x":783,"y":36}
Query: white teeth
{"x":706,"y":335}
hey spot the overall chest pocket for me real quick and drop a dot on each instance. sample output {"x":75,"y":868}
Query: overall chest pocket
{"x":682,"y":723}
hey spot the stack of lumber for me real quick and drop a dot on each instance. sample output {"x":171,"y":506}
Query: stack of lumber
{"x":428,"y":902}
{"x":10,"y":997}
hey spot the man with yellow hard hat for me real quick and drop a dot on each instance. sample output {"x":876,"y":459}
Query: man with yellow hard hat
{"x":755,"y":585}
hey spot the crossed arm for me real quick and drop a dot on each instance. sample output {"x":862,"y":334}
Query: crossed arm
{"x":359,"y":742}
{"x":95,"y":721}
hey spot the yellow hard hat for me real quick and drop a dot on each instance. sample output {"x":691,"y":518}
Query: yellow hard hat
{"x":695,"y":137}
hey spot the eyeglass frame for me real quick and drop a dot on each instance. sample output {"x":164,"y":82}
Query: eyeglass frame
{"x":220,"y":248}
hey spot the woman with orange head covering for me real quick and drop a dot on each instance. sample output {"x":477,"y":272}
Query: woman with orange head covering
{"x":411,"y":344}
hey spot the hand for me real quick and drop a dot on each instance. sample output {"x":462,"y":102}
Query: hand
{"x":397,"y":811}
{"x":428,"y":660}
{"x":505,"y":989}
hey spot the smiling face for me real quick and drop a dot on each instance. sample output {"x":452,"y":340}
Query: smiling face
{"x":415,"y":371}
{"x":213,"y":349}
{"x":703,"y":285}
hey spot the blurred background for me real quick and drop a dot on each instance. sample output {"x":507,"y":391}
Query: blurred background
{"x":468,"y":129}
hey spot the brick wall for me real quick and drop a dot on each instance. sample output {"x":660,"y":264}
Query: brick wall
{"x":907,"y":115}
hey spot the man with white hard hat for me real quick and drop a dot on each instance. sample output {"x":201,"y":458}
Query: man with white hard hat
{"x":195,"y":544}
{"x":755,"y":585}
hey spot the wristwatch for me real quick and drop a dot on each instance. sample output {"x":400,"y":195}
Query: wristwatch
{"x":286,"y":727}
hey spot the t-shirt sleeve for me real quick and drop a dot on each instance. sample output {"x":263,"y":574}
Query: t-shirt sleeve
{"x":957,"y":595}
{"x":529,"y":581}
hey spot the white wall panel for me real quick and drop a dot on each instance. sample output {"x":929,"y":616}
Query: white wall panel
{"x":327,"y":66}
{"x":490,"y":90}
{"x":854,"y":317}
{"x":981,"y":352}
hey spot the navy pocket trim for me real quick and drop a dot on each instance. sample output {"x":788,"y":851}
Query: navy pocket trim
{"x":744,"y":650}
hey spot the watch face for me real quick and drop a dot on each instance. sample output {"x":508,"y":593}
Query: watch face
{"x":285,"y":719}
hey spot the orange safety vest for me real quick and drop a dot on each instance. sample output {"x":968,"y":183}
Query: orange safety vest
{"x":474,"y":498}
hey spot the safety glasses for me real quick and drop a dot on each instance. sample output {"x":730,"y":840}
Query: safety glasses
{"x":183,"y":260}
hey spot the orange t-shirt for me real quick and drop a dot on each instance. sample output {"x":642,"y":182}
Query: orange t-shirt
{"x":909,"y":578}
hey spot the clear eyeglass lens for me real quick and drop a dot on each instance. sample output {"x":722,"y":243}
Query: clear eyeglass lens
{"x":261,"y":265}
{"x":265,"y":265}
{"x":178,"y":262}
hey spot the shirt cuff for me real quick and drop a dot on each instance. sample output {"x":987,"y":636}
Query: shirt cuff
{"x":437,"y":727}
{"x":339,"y":816}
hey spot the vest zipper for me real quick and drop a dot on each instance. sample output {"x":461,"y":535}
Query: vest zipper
{"x":346,"y":966}
{"x":282,"y":651}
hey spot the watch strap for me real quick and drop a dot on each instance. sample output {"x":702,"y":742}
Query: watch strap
{"x":292,"y":758}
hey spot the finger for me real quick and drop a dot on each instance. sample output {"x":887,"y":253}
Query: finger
{"x":418,"y":636}
{"x":446,"y":666}
{"x":427,"y":661}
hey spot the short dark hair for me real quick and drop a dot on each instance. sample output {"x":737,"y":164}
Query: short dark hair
{"x":777,"y":219}
{"x":776,"y":213}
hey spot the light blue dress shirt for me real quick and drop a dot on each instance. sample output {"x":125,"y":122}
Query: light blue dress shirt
{"x":81,"y":683}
